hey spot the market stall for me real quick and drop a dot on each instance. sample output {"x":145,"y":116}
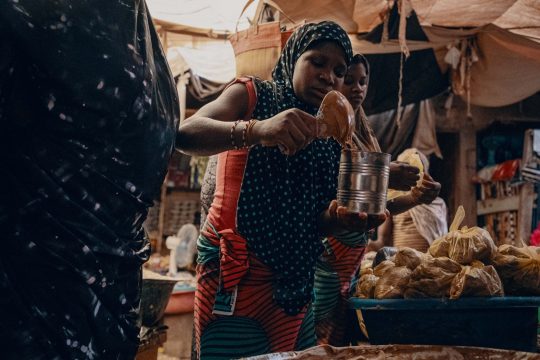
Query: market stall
{"x":435,"y":84}
{"x":468,"y":289}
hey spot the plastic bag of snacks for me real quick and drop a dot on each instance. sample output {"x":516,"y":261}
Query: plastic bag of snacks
{"x":519,"y":269}
{"x":476,"y":280}
{"x":383,"y":267}
{"x":411,"y":157}
{"x":464,"y":245}
{"x":432,"y":278}
{"x":410,"y":258}
{"x":393,"y":283}
{"x":366,"y":286}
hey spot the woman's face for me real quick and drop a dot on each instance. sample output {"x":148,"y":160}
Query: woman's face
{"x":318,"y":71}
{"x":355,"y":85}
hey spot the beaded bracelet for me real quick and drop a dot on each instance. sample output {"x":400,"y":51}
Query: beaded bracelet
{"x":244,"y":135}
{"x":233,"y":142}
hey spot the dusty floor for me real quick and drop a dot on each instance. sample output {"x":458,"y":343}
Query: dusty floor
{"x":162,"y":356}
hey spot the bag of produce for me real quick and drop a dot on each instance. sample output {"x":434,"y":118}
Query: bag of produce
{"x":393,"y":283}
{"x":409,"y":257}
{"x":383,"y":267}
{"x":519,"y":269}
{"x":432,"y":278}
{"x":476,"y":280}
{"x":366,"y":286}
{"x":464,"y":245}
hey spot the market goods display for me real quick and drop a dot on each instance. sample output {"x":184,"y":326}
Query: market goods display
{"x":432,"y":278}
{"x":410,"y":258}
{"x":464,"y":245}
{"x":476,"y":280}
{"x":393,"y":283}
{"x":463,"y":263}
{"x":519,"y":269}
{"x":366,"y":286}
{"x":383,"y":267}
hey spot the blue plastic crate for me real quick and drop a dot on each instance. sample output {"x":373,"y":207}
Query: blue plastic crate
{"x":501,"y":323}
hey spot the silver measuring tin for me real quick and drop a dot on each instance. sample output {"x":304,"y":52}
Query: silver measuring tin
{"x":363,"y":181}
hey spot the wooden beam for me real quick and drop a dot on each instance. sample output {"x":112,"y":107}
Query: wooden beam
{"x":526,"y":202}
{"x":464,"y":170}
{"x":490,"y":206}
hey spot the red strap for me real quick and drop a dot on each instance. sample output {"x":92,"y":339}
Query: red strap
{"x":252,"y":94}
{"x":234,"y":262}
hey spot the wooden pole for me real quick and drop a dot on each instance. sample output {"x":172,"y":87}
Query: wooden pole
{"x":524,"y":223}
{"x":465,"y":169}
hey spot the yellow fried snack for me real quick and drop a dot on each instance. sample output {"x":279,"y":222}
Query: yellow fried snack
{"x":411,"y":157}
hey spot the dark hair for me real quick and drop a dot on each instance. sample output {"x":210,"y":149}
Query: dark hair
{"x":360,"y":59}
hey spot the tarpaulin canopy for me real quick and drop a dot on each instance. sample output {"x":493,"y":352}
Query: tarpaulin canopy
{"x":500,"y":66}
{"x":493,"y":46}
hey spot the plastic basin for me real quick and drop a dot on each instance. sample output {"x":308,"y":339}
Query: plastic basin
{"x":181,"y":300}
{"x":501,"y":323}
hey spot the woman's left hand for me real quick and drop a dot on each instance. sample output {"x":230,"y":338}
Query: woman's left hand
{"x":357,"y":222}
{"x":427,"y":191}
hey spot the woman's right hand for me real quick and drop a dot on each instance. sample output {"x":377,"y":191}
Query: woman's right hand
{"x":291,"y":130}
{"x":342,"y":219}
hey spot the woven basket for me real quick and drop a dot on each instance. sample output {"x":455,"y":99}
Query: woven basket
{"x":257,"y":48}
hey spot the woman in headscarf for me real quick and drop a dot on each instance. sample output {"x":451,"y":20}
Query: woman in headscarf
{"x":273,"y":201}
{"x":336,"y":270}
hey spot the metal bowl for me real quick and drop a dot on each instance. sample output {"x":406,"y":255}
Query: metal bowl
{"x":156,"y":290}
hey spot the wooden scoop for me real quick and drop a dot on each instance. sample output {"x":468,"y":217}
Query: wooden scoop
{"x":337,"y":114}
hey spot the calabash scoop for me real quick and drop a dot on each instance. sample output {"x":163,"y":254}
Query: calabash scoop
{"x":337,"y":115}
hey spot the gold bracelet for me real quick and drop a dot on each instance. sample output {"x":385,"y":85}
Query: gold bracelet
{"x":249,"y":130}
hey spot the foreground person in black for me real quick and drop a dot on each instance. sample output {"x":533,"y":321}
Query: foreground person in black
{"x":88,"y":110}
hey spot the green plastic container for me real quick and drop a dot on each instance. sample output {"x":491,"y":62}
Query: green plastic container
{"x":501,"y":323}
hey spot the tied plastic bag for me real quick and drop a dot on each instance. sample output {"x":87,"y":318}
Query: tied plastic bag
{"x":519,"y":269}
{"x":366,"y":271}
{"x":464,"y":245}
{"x":432,"y":278}
{"x":393,"y":283}
{"x":410,"y":258}
{"x":476,"y":280}
{"x":366,"y":286}
{"x":411,"y":157}
{"x":383,"y":267}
